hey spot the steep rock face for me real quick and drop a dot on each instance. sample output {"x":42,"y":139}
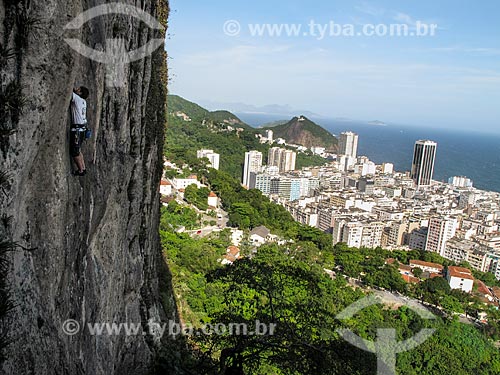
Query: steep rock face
{"x":91,"y":244}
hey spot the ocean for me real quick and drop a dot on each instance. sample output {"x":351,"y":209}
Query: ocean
{"x":459,"y":152}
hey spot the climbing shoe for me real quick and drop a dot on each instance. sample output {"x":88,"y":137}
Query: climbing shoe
{"x":78,"y":173}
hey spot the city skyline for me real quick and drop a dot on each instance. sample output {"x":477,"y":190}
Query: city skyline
{"x":368,"y":206}
{"x":283,"y":160}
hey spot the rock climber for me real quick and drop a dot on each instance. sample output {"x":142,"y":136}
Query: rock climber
{"x":79,"y":129}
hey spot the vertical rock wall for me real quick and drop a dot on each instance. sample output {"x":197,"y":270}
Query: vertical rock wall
{"x":91,"y":244}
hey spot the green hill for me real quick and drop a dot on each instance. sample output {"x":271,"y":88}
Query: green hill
{"x":227,"y":118}
{"x":204,"y":129}
{"x":302,"y":131}
{"x":178,"y":106}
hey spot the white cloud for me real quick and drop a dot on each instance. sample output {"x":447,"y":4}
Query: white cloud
{"x":475,"y":50}
{"x":255,"y":63}
{"x":239,"y":54}
{"x":404,"y":18}
{"x":322,"y":81}
{"x":369,"y":9}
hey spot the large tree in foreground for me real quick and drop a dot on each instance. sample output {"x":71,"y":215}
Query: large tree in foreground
{"x":291,"y":304}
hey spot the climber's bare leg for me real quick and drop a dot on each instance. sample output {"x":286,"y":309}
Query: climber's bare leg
{"x":80,"y":163}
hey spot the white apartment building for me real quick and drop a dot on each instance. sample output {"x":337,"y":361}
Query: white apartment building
{"x":441,"y":229}
{"x":182,"y":183}
{"x":345,"y":162}
{"x":365,"y":168}
{"x":325,"y":219}
{"x":460,"y":181}
{"x":253,"y":163}
{"x":348,"y":144}
{"x":212,"y":157}
{"x":418,"y":239}
{"x":261,"y":181}
{"x":288,"y":160}
{"x":165,"y":187}
{"x":282,"y":158}
{"x":491,"y":240}
{"x":426,"y":266}
{"x":269,"y":136}
{"x":358,"y":233}
{"x":387,"y":168}
{"x":460,"y":278}
{"x":318,"y":150}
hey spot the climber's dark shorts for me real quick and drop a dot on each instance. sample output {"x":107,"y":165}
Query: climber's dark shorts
{"x":77,"y":136}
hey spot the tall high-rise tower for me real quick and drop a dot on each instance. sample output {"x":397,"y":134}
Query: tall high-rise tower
{"x":282,"y":158}
{"x":287,"y":163}
{"x":274,"y":156}
{"x":348,"y":144}
{"x":424,"y":156}
{"x":253,"y":163}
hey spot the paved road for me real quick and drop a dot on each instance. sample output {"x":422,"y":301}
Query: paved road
{"x":397,"y":300}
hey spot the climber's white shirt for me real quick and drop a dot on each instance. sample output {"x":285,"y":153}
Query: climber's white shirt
{"x":79,"y":110}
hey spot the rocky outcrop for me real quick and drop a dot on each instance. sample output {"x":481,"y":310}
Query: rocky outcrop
{"x":90,"y":248}
{"x":302,"y":131}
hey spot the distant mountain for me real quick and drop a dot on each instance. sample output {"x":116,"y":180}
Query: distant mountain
{"x":302,"y":131}
{"x":193,"y":112}
{"x":273,"y":124}
{"x":377,"y":123}
{"x":270,"y":109}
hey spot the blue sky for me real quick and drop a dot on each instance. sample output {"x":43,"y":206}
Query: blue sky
{"x":451,"y":79}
